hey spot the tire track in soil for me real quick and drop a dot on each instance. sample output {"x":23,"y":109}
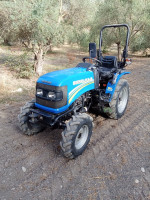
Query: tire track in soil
{"x":31,"y":150}
{"x":109,"y":142}
{"x":123,"y":143}
{"x":37,"y":164}
{"x":109,"y":137}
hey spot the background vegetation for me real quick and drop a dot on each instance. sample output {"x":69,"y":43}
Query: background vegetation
{"x":40,"y":25}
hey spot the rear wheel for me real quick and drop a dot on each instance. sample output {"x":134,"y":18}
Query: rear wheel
{"x":76,"y":135}
{"x":119,"y":102}
{"x":25,"y":125}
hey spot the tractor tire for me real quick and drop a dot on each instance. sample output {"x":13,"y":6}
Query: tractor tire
{"x":76,"y":135}
{"x":119,"y":102}
{"x":26,"y":127}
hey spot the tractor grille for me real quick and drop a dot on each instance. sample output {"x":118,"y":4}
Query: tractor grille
{"x":43,"y":100}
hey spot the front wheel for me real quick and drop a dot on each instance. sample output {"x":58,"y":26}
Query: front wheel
{"x":119,"y":102}
{"x":76,"y":135}
{"x":25,"y":125}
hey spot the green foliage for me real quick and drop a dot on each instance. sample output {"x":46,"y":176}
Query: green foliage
{"x":78,"y":18}
{"x":34,"y":22}
{"x":40,"y":24}
{"x":20,"y":65}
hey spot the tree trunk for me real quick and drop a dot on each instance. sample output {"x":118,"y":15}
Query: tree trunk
{"x":38,"y":62}
{"x":6,"y":42}
{"x":119,"y":51}
{"x":60,"y":12}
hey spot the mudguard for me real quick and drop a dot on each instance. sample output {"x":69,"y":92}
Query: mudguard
{"x":111,"y":86}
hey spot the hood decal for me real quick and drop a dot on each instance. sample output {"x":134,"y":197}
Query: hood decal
{"x":78,"y":88}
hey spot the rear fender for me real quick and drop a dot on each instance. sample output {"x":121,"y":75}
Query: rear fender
{"x":111,"y":86}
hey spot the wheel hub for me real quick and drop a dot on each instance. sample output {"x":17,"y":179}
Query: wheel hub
{"x":81,"y":137}
{"x":122,"y":101}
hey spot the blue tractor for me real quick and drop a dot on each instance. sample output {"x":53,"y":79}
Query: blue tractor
{"x":64,"y":97}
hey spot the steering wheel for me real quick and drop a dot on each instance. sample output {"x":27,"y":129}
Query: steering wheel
{"x":94,"y":59}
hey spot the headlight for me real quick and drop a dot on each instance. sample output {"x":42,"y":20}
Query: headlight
{"x":51,"y":95}
{"x":55,"y":96}
{"x":39,"y":92}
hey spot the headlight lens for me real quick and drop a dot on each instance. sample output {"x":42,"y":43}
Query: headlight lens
{"x":51,"y":95}
{"x":39,"y":92}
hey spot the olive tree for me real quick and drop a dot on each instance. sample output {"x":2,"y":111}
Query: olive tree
{"x":35,"y":24}
{"x":78,"y":18}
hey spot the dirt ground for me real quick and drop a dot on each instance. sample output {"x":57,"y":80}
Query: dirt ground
{"x":115,"y":166}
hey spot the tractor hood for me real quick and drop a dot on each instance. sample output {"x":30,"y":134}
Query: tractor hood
{"x":66,"y":77}
{"x":71,"y":83}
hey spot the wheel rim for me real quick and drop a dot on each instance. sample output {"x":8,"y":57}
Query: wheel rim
{"x":81,"y":137}
{"x":122,"y":100}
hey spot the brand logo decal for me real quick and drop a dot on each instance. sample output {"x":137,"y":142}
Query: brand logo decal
{"x":47,"y":82}
{"x":82,"y":81}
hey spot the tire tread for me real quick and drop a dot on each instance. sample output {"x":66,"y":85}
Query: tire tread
{"x":70,"y":131}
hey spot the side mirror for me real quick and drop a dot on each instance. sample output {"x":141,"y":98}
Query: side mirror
{"x":92,"y":50}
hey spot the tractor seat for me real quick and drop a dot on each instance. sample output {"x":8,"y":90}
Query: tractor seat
{"x":109,"y":67}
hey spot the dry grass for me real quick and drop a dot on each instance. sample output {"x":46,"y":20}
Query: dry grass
{"x":12,"y":89}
